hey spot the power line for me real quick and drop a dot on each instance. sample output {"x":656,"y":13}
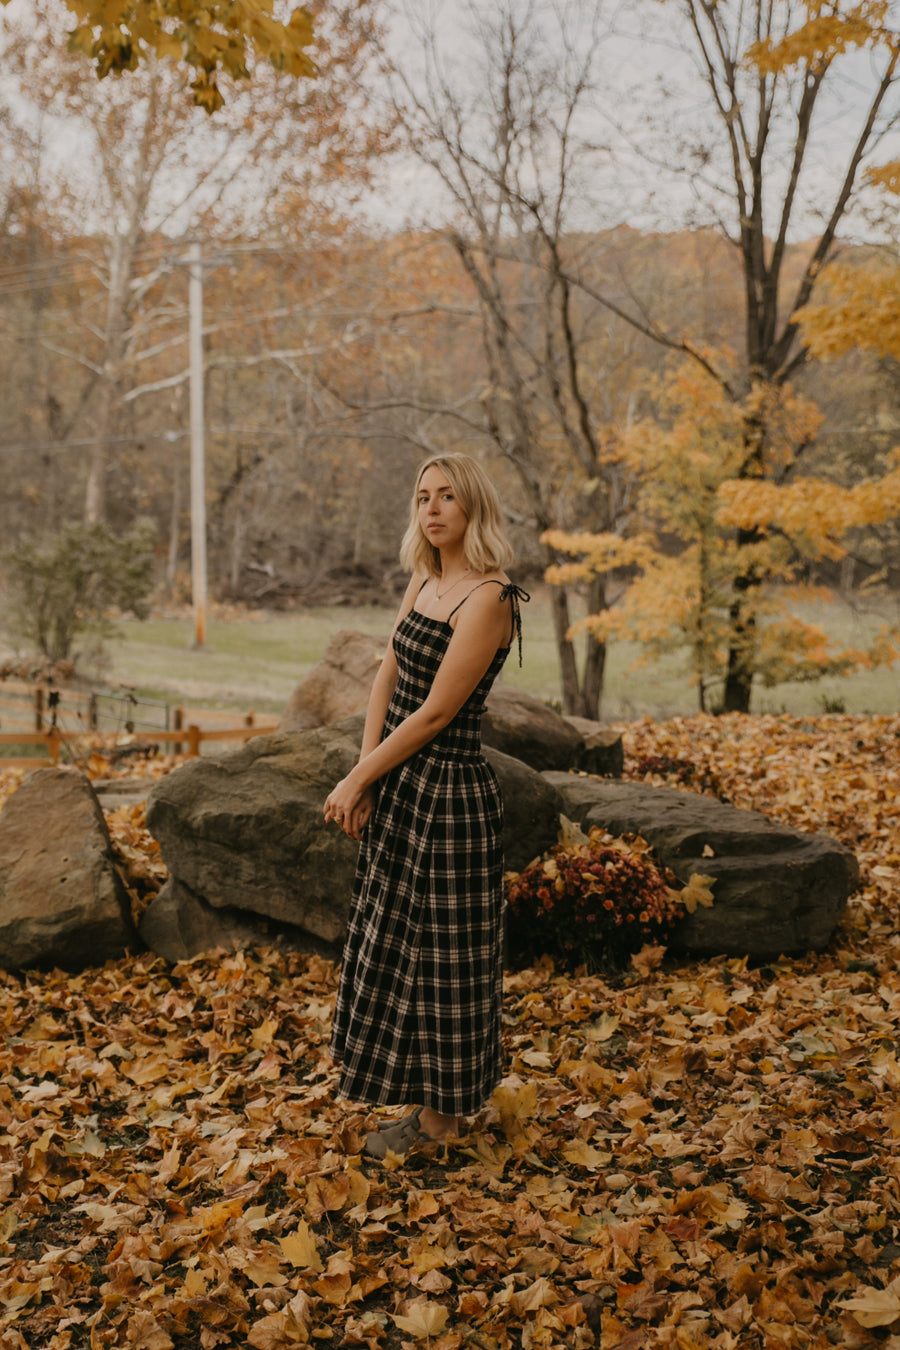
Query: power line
{"x":27,"y":276}
{"x":85,"y":442}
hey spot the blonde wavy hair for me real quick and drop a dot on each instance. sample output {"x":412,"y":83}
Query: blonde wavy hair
{"x":486,"y":546}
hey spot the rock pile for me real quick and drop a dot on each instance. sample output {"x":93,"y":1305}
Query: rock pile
{"x":244,"y":839}
{"x":251,"y":860}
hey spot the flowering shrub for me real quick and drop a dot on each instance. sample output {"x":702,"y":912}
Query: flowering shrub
{"x":590,"y":901}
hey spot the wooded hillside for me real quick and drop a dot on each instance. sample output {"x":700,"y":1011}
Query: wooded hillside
{"x":332,"y":365}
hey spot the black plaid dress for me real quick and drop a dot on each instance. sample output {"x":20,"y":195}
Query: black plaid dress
{"x":418,"y":1008}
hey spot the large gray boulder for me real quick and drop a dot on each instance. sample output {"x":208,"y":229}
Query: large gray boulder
{"x":525,"y":728}
{"x":602,"y":752}
{"x":531,"y":809}
{"x":338,"y":685}
{"x":179,"y":925}
{"x":243,"y":837}
{"x":62,"y":901}
{"x":776,"y":890}
{"x":244,"y":831}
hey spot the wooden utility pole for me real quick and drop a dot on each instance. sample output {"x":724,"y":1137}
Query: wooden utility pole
{"x":198,"y":473}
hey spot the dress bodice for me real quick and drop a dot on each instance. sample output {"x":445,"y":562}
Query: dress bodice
{"x":420,"y":644}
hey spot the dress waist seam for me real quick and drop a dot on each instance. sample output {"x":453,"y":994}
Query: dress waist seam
{"x":460,"y":756}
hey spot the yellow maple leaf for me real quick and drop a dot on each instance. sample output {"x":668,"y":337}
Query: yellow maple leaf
{"x":300,"y":1248}
{"x":540,"y":1294}
{"x":516,"y":1107}
{"x":264,"y":1273}
{"x":583,"y":1154}
{"x":222,"y":35}
{"x":422,"y":1319}
{"x":697,"y":892}
{"x":145,"y":1333}
{"x":570,"y":833}
{"x":195,"y":1282}
{"x":603,"y":1028}
{"x":215,"y":1217}
{"x":875,"y":1307}
{"x":263,"y":1035}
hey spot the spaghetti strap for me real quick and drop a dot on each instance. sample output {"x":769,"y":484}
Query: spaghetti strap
{"x":509,"y":591}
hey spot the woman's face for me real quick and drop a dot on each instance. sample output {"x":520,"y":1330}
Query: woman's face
{"x":441,"y":518}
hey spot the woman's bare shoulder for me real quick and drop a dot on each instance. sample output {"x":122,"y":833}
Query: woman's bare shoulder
{"x":489,"y":583}
{"x":479,"y":604}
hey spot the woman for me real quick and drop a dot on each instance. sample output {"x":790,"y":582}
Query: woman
{"x":418,"y":1009}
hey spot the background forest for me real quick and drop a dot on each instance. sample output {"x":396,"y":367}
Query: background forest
{"x":648,"y":276}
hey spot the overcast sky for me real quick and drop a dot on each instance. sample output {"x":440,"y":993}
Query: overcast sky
{"x":640,"y":61}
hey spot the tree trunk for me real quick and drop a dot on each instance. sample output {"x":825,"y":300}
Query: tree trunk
{"x":742,"y":639}
{"x":237,"y":545}
{"x":738,"y":681}
{"x":580,"y":696}
{"x":595,"y":657}
{"x":108,"y":412}
{"x":174,"y":521}
{"x":95,"y":488}
{"x":102,"y":449}
{"x":571,"y":694}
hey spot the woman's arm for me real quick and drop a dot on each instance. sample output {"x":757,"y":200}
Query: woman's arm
{"x":379,"y":700}
{"x":376,"y":710}
{"x":481,"y":628}
{"x":385,"y":681}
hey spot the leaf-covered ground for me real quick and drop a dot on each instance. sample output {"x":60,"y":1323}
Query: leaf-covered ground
{"x":696,"y":1155}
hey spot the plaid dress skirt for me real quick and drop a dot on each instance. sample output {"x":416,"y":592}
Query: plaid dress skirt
{"x":418,"y":1010}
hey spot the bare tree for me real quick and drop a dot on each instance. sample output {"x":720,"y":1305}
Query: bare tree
{"x":505,"y":132}
{"x":149,"y":169}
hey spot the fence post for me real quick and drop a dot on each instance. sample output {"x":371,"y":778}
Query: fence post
{"x":53,"y":740}
{"x":92,"y":711}
{"x":179,"y":723}
{"x":249,"y":720}
{"x":193,"y":732}
{"x":39,"y":708}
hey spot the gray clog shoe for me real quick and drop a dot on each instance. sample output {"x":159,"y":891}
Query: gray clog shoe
{"x":398,"y":1136}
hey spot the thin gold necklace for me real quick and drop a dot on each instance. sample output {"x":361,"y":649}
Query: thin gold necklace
{"x":440,"y":594}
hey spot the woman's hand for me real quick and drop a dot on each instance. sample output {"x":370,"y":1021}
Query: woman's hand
{"x":349,"y":807}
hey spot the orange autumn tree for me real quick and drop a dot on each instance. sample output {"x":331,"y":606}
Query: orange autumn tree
{"x":860,"y":308}
{"x":211,"y":37}
{"x":701,"y":527}
{"x":857,"y":312}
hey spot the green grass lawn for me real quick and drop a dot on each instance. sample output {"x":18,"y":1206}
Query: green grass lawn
{"x":255,"y":662}
{"x":249,"y":663}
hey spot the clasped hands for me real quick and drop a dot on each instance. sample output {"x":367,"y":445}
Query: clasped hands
{"x":349,"y":807}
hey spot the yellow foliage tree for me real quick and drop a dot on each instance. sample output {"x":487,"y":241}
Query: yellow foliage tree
{"x":859,"y":309}
{"x":689,"y":458}
{"x":211,"y":37}
{"x":767,"y":69}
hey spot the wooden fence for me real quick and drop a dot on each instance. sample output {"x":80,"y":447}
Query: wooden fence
{"x":42,"y":715}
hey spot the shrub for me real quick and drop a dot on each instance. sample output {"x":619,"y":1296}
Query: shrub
{"x":67,"y":586}
{"x":591,"y":901}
